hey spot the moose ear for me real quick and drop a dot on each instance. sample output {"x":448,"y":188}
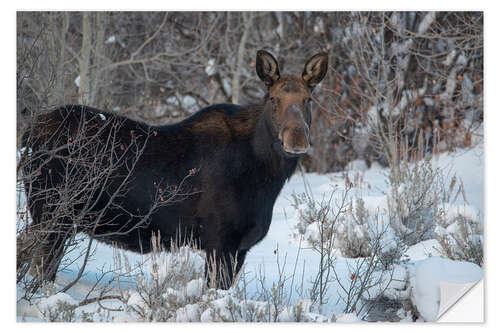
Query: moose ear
{"x":267,"y":68}
{"x":315,"y":69}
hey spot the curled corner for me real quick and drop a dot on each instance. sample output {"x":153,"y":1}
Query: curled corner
{"x":452,"y":293}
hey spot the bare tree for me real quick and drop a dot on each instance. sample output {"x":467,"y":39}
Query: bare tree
{"x":419,"y":72}
{"x":89,"y":164}
{"x":411,"y":78}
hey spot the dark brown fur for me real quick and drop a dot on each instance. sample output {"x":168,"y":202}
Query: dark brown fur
{"x":243,"y":156}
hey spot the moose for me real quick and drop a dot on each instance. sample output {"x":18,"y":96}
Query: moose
{"x":224,"y":167}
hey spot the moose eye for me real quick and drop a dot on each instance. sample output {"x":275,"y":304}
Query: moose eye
{"x":273,"y":101}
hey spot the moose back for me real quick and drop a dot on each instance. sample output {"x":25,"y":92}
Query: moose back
{"x":212,"y":178}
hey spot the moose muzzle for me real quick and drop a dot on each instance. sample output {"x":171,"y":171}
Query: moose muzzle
{"x":294,"y":133}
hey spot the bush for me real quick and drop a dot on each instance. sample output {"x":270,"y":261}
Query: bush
{"x":461,"y":238}
{"x":412,"y":200}
{"x":170,"y":288}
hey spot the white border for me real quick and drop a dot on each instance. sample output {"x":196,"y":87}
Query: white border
{"x":8,"y":63}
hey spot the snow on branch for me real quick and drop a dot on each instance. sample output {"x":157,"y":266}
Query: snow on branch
{"x":426,"y":22}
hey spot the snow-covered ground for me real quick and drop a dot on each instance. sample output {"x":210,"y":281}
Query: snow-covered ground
{"x":283,"y":255}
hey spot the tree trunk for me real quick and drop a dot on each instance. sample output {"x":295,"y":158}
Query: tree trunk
{"x":58,"y":97}
{"x":247,"y":21}
{"x":95,"y":75}
{"x":83,"y":95}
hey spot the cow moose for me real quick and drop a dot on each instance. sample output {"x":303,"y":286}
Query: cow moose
{"x":225,"y":166}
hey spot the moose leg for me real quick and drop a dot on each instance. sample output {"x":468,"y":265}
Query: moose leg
{"x":48,"y":255}
{"x":43,"y":242}
{"x":222,"y":266}
{"x":49,"y":240}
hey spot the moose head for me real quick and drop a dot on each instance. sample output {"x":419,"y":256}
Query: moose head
{"x":288,"y":101}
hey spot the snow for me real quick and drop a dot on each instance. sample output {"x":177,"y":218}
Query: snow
{"x":452,"y":212}
{"x":46,"y":306}
{"x":282,"y":253}
{"x":189,"y":313}
{"x":427,"y":279}
{"x":206,"y":316}
{"x":226,"y":84}
{"x":111,"y":39}
{"x":401,"y":48}
{"x":423,"y":250}
{"x":392,"y":284}
{"x":210,"y":68}
{"x":468,"y":166}
{"x":135,"y":299}
{"x":357,"y":165}
{"x":347,"y":318}
{"x":57,"y":298}
{"x":189,"y":103}
{"x":426,"y":22}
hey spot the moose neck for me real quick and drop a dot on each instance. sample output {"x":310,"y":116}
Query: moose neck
{"x":266,"y":147}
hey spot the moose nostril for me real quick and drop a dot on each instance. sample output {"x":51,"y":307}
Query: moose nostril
{"x":296,"y":150}
{"x":301,"y":150}
{"x":294,"y":139}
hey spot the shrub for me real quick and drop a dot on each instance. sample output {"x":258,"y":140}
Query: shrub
{"x":461,"y":238}
{"x":412,"y":200}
